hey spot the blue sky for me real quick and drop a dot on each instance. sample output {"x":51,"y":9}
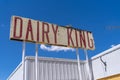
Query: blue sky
{"x":101,"y":17}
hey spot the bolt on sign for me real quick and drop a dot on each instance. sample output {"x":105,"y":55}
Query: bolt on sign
{"x":29,"y":30}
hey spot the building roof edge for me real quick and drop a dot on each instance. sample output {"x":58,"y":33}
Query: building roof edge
{"x":114,"y":48}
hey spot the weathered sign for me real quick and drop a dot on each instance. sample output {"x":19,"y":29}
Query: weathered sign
{"x":25,"y":29}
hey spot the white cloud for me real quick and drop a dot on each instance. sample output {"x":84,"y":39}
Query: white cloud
{"x":56,"y":48}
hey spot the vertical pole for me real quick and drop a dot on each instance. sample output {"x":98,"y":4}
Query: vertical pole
{"x":78,"y":60}
{"x":36,"y":62}
{"x":87,"y":65}
{"x":23,"y":59}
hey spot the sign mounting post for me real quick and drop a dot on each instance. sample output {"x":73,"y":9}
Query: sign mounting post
{"x":36,"y":62}
{"x":78,"y":60}
{"x":23,"y":59}
{"x":87,"y":65}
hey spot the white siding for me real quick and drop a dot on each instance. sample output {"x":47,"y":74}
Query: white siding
{"x":50,"y":69}
{"x":54,"y":69}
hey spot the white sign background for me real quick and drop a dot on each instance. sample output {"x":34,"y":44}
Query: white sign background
{"x":25,"y":29}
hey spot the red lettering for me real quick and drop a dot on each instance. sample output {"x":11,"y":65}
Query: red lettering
{"x":82,"y":39}
{"x":37,"y":31}
{"x":76,"y":38}
{"x":29,"y":30}
{"x":15,"y":35}
{"x":90,"y":41}
{"x":55,"y":33}
{"x":69,"y":32}
{"x":45,"y":31}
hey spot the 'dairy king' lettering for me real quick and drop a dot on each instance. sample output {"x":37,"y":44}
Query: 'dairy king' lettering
{"x":24,"y":29}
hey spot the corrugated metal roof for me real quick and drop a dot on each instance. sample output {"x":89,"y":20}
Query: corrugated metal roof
{"x":53,"y":59}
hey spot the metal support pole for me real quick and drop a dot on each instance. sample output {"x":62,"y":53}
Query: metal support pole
{"x":87,"y":65}
{"x":23,"y":59}
{"x":78,"y":60}
{"x":36,"y":62}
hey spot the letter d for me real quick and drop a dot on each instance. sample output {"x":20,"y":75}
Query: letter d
{"x":17,"y":27}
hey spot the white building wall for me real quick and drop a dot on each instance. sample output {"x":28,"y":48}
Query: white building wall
{"x":112,"y":59}
{"x":50,"y":69}
{"x":17,"y":74}
{"x":63,"y":69}
{"x":54,"y":69}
